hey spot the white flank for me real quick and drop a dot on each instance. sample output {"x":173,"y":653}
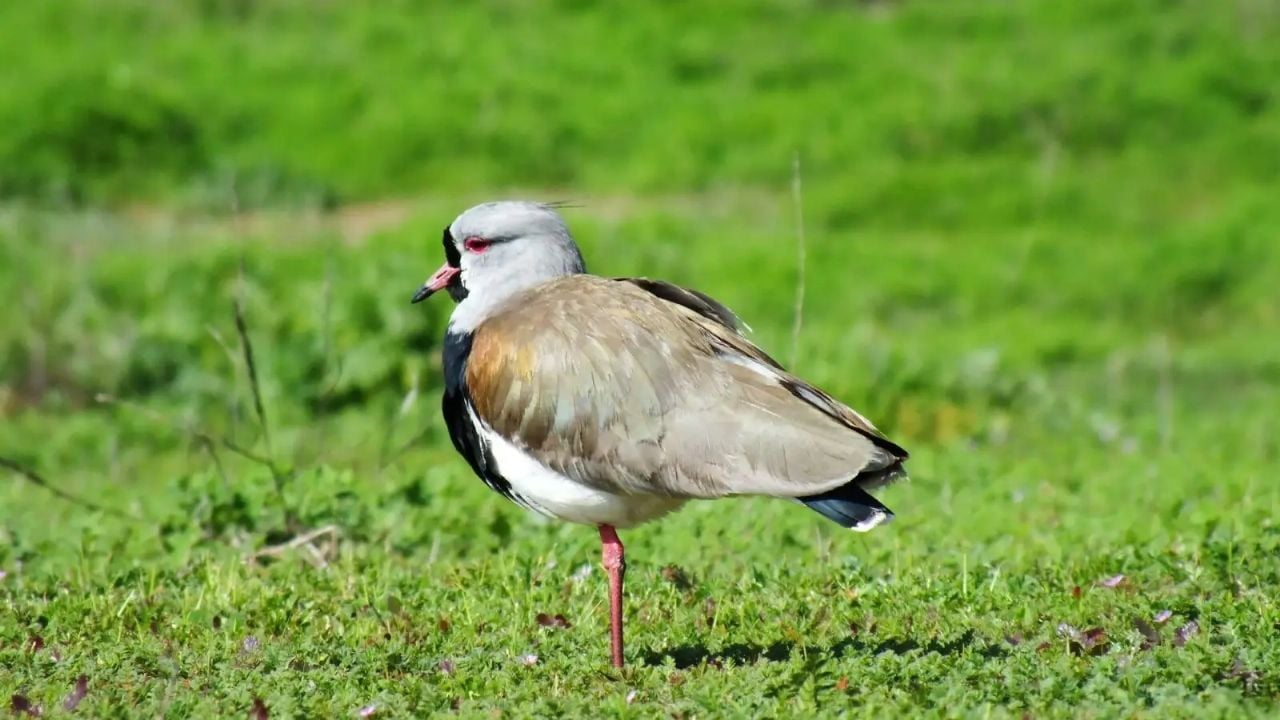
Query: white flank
{"x":544,"y":490}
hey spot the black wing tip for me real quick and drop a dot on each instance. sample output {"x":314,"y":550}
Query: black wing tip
{"x":898,"y":451}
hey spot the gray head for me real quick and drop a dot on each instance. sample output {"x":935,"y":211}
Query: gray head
{"x":499,"y":248}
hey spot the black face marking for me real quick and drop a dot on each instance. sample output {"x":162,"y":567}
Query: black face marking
{"x":456,"y":289}
{"x":451,"y":254}
{"x":456,"y":405}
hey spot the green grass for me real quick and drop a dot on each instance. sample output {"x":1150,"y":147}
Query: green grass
{"x":1043,"y":255}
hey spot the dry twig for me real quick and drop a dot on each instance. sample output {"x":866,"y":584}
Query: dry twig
{"x":304,"y":541}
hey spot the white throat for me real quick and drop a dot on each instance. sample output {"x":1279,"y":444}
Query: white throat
{"x":475,"y":308}
{"x":483,"y":303}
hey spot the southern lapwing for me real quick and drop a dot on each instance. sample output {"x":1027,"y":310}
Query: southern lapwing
{"x":611,"y":402}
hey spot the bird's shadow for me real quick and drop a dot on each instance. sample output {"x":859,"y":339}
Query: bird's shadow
{"x":695,"y":654}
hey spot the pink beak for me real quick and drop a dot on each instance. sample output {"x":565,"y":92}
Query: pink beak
{"x":438,"y":281}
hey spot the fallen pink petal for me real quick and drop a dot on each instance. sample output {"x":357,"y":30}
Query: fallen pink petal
{"x":78,"y":692}
{"x":1112,"y":582}
{"x":1185,"y":633}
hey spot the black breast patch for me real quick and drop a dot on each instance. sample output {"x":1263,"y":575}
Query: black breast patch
{"x":463,"y":431}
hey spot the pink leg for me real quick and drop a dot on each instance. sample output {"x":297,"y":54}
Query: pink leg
{"x":611,"y":558}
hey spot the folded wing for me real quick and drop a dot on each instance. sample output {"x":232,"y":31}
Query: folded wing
{"x":645,"y":388}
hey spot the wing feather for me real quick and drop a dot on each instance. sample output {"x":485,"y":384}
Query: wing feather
{"x":700,"y":303}
{"x":629,"y":391}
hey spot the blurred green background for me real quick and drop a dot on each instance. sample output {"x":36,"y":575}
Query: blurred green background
{"x":1043,"y":252}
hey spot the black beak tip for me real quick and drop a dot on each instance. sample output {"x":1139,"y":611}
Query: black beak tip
{"x":423,"y":293}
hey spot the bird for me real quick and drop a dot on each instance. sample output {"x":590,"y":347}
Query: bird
{"x":611,"y":402}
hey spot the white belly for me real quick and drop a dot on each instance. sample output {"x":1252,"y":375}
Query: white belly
{"x":540,"y":488}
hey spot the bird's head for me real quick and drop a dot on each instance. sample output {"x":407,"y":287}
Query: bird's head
{"x":499,"y":248}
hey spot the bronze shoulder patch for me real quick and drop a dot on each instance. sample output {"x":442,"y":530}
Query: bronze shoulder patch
{"x":498,"y":359}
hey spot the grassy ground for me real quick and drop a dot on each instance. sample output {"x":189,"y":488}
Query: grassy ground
{"x":1042,"y":253}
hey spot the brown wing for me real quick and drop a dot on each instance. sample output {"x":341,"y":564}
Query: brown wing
{"x":701,"y":304}
{"x":618,"y":388}
{"x":730,"y":345}
{"x":713,"y":310}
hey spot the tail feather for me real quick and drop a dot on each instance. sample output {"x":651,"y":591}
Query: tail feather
{"x":851,"y":506}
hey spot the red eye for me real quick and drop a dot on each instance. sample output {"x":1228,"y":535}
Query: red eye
{"x":476,"y":244}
